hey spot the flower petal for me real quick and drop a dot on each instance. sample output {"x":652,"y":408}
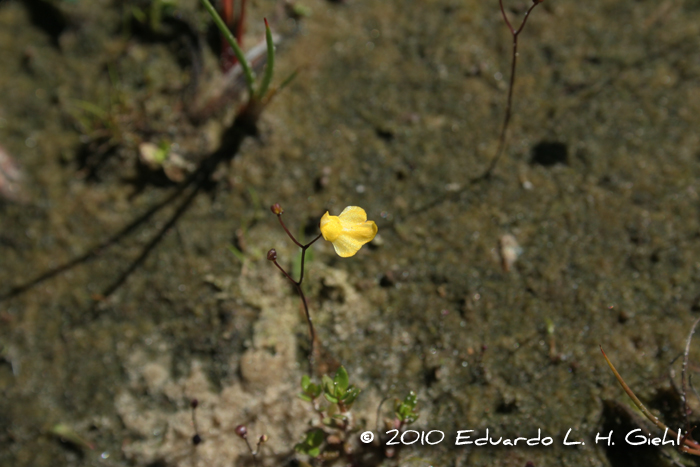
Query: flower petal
{"x":353,"y":215}
{"x":346,"y":246}
{"x":348,"y":231}
{"x":351,"y":241}
{"x":362,"y":233}
{"x":331,"y":227}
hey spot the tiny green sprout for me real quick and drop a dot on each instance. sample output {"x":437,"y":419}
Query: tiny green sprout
{"x":67,"y":433}
{"x":160,"y":8}
{"x":311,"y":445}
{"x":311,"y":390}
{"x":339,"y":390}
{"x":406,"y":410}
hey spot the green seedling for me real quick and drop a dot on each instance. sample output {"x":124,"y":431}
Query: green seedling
{"x":259,"y":95}
{"x":310,"y":390}
{"x":66,"y":433}
{"x":330,"y":440}
{"x":311,"y":445}
{"x":339,"y":390}
{"x":405,"y":410}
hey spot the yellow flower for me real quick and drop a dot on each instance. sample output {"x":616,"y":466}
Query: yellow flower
{"x":349,"y":231}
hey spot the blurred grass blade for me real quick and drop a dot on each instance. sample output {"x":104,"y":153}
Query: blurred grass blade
{"x":270,"y":67}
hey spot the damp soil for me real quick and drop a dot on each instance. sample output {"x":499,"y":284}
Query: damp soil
{"x":396,"y":107}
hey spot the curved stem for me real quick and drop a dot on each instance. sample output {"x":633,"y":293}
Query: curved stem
{"x":279,"y":216}
{"x":303,"y":255}
{"x":506,"y":120}
{"x":297,"y":284}
{"x":312,"y":332}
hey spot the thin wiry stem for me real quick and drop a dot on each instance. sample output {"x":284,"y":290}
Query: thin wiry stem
{"x":506,"y":119}
{"x":297,"y":283}
{"x":279,"y":216}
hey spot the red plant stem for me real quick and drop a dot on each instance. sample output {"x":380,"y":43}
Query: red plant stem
{"x":297,"y":284}
{"x":506,"y":119}
{"x":227,"y":8}
{"x":279,"y":216}
{"x":312,"y":333}
{"x":240,"y":29}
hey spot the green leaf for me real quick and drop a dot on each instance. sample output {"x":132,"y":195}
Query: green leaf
{"x":311,"y":390}
{"x":270,"y":66}
{"x":311,"y":443}
{"x":305,"y":397}
{"x":328,"y":386}
{"x":351,"y":395}
{"x":341,"y":380}
{"x":305,"y":382}
{"x":406,"y":410}
{"x":330,"y":398}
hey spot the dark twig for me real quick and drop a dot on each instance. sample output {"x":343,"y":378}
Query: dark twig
{"x":506,"y":119}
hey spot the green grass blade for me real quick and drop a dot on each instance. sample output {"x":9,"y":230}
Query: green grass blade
{"x":270,"y":68}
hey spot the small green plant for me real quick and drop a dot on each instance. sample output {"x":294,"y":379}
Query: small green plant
{"x":405,"y":410}
{"x":339,"y":391}
{"x":311,"y":445}
{"x":331,"y":440}
{"x":259,"y":94}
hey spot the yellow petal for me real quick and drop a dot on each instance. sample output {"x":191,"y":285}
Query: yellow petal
{"x":352,"y":240}
{"x":349,"y":231}
{"x":362,"y":233}
{"x":353,"y":215}
{"x":346,"y":246}
{"x":331,"y":227}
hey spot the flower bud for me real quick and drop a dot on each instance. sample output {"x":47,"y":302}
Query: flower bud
{"x":196,"y":439}
{"x":276,"y":209}
{"x":194,"y":403}
{"x":263,"y":439}
{"x":242,"y":431}
{"x":272,"y":255}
